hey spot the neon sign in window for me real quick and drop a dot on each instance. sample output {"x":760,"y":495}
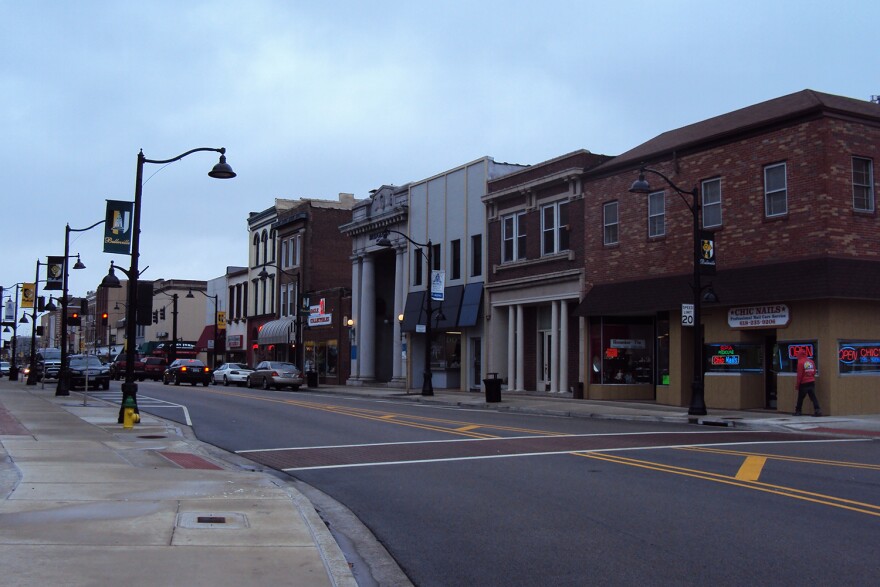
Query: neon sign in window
{"x":859,"y":357}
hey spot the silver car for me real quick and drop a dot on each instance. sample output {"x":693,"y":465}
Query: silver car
{"x":231,"y":373}
{"x":277,"y":374}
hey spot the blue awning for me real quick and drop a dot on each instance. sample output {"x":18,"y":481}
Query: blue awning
{"x":471,"y":305}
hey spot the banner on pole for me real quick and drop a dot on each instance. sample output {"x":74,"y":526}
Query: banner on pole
{"x":54,"y":273}
{"x":28,"y":295}
{"x":117,"y":227}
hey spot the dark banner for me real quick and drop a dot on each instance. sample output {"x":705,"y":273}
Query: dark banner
{"x":117,"y":227}
{"x":54,"y":273}
{"x":707,"y":252}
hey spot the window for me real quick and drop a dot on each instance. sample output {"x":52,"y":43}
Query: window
{"x":436,"y":258}
{"x":610,"y":223}
{"x":656,"y":214}
{"x":265,"y":239}
{"x":863,"y":184}
{"x":455,"y":259}
{"x":711,"y":194}
{"x":622,"y":350}
{"x":476,"y":255}
{"x":290,"y":251}
{"x":288,"y":299}
{"x":785,"y":354}
{"x":417,"y":266}
{"x":734,"y":358}
{"x":775,"y":190}
{"x":554,"y":228}
{"x":513,"y":237}
{"x":256,"y":249}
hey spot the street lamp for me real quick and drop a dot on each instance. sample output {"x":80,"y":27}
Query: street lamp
{"x":13,"y":367}
{"x":215,"y":298}
{"x":32,"y":373}
{"x":221,"y":170}
{"x":641,"y":186}
{"x":63,"y":387}
{"x":383,"y":241}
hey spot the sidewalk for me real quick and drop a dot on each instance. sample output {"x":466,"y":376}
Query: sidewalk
{"x":85,"y":502}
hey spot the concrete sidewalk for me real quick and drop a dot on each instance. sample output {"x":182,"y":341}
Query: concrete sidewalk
{"x":85,"y":502}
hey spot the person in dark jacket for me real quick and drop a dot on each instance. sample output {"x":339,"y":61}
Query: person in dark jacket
{"x":805,"y":384}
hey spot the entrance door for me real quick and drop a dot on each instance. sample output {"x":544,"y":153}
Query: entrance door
{"x":770,"y":368}
{"x":476,"y":362}
{"x":545,"y":338}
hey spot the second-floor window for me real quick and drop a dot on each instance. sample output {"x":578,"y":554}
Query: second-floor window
{"x":775,"y":190}
{"x":863,"y":184}
{"x":656,"y":214}
{"x":513,"y":237}
{"x":610,"y":222}
{"x":476,"y":255}
{"x":455,"y":259}
{"x":291,"y":251}
{"x":711,"y":195}
{"x":554,"y":228}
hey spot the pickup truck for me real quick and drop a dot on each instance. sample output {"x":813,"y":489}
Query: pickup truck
{"x":117,"y":368}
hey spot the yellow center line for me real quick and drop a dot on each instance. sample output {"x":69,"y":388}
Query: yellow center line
{"x":722,"y":451}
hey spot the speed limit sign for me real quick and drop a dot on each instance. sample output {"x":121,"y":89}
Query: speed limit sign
{"x":687,"y":314}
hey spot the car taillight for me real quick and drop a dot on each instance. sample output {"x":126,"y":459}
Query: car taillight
{"x":274,"y":373}
{"x":183,"y":368}
{"x":206,"y":369}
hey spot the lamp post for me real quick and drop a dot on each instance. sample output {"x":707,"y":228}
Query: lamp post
{"x":13,"y":367}
{"x":63,"y":387}
{"x":641,"y":186}
{"x":215,"y":298}
{"x":172,"y":355}
{"x":221,"y":170}
{"x":427,"y":383}
{"x":32,"y":373}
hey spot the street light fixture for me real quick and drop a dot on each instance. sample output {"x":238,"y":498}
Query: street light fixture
{"x":383,"y":241}
{"x":641,"y":186}
{"x":63,"y":387}
{"x":221,"y":170}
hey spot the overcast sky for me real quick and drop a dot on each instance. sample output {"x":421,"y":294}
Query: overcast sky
{"x":312,"y":99}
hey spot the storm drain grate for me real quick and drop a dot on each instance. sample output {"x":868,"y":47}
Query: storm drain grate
{"x":204,"y":520}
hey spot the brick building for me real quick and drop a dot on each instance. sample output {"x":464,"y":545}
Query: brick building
{"x":787,"y":187}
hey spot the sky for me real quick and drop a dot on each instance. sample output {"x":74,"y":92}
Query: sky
{"x":311,"y":99}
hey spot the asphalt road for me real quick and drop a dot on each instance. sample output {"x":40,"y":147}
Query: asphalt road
{"x":485,"y":498}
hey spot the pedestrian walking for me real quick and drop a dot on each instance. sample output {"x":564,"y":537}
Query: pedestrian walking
{"x":805,"y":384}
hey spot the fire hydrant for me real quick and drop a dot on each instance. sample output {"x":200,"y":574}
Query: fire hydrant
{"x":129,"y":417}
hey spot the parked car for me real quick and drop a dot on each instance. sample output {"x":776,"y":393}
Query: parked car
{"x":48,"y":364}
{"x":277,"y":374}
{"x":154,"y":367}
{"x":88,"y":370}
{"x":117,"y":367}
{"x":187,"y":371}
{"x":231,"y":373}
{"x":4,"y":368}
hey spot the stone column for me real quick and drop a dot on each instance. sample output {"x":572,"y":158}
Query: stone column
{"x":511,"y":347}
{"x":355,"y":316}
{"x":399,"y":366}
{"x":563,"y":346}
{"x":367,"y":323}
{"x":554,"y":346}
{"x":520,"y":349}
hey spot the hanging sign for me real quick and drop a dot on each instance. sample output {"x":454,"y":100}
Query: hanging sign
{"x":438,"y":285}
{"x":54,"y":273}
{"x":707,"y":252}
{"x":27,"y":295}
{"x":117,"y":227}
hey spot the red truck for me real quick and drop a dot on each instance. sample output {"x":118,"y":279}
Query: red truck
{"x":117,"y":367}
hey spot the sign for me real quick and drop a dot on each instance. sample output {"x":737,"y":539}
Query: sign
{"x":27,"y":295}
{"x":235,"y":341}
{"x":707,"y":253}
{"x":438,"y":285}
{"x":320,"y":319}
{"x":687,"y":314}
{"x":117,"y":227}
{"x":769,"y":316}
{"x":221,"y":320}
{"x":628,"y":343}
{"x":54,"y":273}
{"x":420,"y":328}
{"x":726,"y":355}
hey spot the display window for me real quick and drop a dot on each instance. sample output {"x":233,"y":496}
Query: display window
{"x":858,"y":358}
{"x":734,"y":358}
{"x":622,"y":351}
{"x":785,"y":355}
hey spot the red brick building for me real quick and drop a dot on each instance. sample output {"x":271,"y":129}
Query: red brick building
{"x":787,"y":187}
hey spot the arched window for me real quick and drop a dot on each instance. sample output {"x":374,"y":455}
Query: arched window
{"x":256,"y":249}
{"x":265,"y":238}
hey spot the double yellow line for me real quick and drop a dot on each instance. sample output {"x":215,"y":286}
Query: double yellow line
{"x":743,"y":477}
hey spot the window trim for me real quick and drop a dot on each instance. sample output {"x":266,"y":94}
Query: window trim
{"x":608,"y":225}
{"x":783,"y":190}
{"x":868,"y":187}
{"x":661,"y":214}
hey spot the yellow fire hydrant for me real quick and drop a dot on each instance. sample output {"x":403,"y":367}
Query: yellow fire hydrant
{"x":129,"y":417}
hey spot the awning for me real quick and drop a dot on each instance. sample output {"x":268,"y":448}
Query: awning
{"x":276,"y":332}
{"x":206,"y":339}
{"x":471,"y":305}
{"x":414,"y":310}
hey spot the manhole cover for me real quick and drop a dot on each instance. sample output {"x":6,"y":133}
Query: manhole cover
{"x":205,"y":520}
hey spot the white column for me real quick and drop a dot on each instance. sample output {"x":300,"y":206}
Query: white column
{"x":520,"y":349}
{"x":554,"y":346}
{"x":398,"y":372}
{"x":563,"y":346}
{"x":511,"y":347}
{"x":355,"y":316}
{"x":367,"y":326}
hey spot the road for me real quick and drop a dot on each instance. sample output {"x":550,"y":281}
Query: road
{"x":490,"y":498}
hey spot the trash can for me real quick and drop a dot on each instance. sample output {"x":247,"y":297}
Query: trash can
{"x":493,"y":388}
{"x":312,"y":378}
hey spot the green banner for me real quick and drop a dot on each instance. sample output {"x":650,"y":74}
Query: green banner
{"x":117,"y":228}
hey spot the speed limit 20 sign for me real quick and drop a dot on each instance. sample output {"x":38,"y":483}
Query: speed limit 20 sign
{"x":687,"y":314}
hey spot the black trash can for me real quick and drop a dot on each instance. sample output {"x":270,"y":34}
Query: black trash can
{"x":312,"y":378}
{"x":493,"y":388}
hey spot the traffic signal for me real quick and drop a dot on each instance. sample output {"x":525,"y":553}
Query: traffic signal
{"x":161,"y":313}
{"x":39,"y":331}
{"x":105,"y":319}
{"x":84,"y":307}
{"x":75,"y":319}
{"x":155,"y":316}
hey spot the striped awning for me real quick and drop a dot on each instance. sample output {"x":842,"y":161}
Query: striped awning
{"x":276,"y":332}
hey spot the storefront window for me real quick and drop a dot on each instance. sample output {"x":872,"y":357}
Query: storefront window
{"x":446,"y":351}
{"x":322,"y":356}
{"x":785,"y":356}
{"x":627,"y":351}
{"x":859,"y":358}
{"x":734,"y":358}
